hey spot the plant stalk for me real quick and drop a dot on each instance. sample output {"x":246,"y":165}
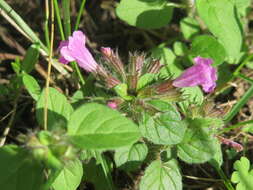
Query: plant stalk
{"x":49,"y":66}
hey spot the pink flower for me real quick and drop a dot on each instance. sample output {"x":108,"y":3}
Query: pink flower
{"x":74,"y":49}
{"x":106,"y":51}
{"x":112,"y":105}
{"x":202,"y":73}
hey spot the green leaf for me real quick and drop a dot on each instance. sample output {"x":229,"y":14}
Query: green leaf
{"x":129,"y":158}
{"x":242,"y":6}
{"x":77,"y":96}
{"x":16,"y":66}
{"x":193,"y":95}
{"x":31,"y":86}
{"x":208,"y":47}
{"x":145,"y":80}
{"x":78,"y":99}
{"x":59,"y":109}
{"x":94,"y":126}
{"x":87,"y":155}
{"x":180,"y":48}
{"x":189,"y":27}
{"x":198,"y":145}
{"x":147,"y":14}
{"x":217,"y":159}
{"x":224,"y":74}
{"x":160,"y":176}
{"x":18,"y":170}
{"x":220,"y":18}
{"x":164,"y":127}
{"x":70,"y":176}
{"x":121,"y":90}
{"x":248,"y":128}
{"x":167,"y":57}
{"x":243,"y":176}
{"x":167,"y":154}
{"x":31,"y":58}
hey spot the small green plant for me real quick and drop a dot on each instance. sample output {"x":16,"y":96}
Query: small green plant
{"x":243,"y":174}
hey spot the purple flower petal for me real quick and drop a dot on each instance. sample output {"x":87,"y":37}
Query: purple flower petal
{"x":66,"y":54}
{"x":74,"y":49}
{"x":202,"y":73}
{"x":63,"y":44}
{"x":63,"y":60}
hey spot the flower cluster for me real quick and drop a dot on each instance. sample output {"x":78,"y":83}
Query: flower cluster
{"x":201,"y":73}
{"x":74,"y":49}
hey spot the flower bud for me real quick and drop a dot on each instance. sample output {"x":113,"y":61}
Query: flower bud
{"x":164,"y":91}
{"x":111,"y":82}
{"x":155,"y":67}
{"x":164,"y":87}
{"x":106,"y":51}
{"x":113,"y":60}
{"x":139,"y":64}
{"x":112,"y":104}
{"x":238,"y":147}
{"x":210,"y":110}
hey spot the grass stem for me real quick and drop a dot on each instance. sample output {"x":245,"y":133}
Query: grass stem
{"x":227,"y":129}
{"x":236,"y":108}
{"x":20,"y":23}
{"x":80,"y":12}
{"x":49,"y":66}
{"x":46,"y":24}
{"x":100,"y":158}
{"x":58,"y":18}
{"x":66,"y":17}
{"x":226,"y":181}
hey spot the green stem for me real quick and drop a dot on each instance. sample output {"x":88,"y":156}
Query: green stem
{"x":226,"y":181}
{"x":58,"y":18}
{"x":66,"y":17}
{"x":105,"y":167}
{"x":227,"y":129}
{"x":80,"y":12}
{"x":177,"y":5}
{"x":21,"y":24}
{"x":46,"y":24}
{"x":238,"y":69}
{"x":245,"y":78}
{"x":52,"y":176}
{"x":239,"y":105}
{"x":246,"y":96}
{"x":15,"y":20}
{"x":78,"y":72}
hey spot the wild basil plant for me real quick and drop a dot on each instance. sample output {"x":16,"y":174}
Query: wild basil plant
{"x":148,"y":113}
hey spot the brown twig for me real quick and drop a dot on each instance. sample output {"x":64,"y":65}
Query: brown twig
{"x":5,"y":56}
{"x":11,"y":42}
{"x":10,"y":123}
{"x":202,"y":179}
